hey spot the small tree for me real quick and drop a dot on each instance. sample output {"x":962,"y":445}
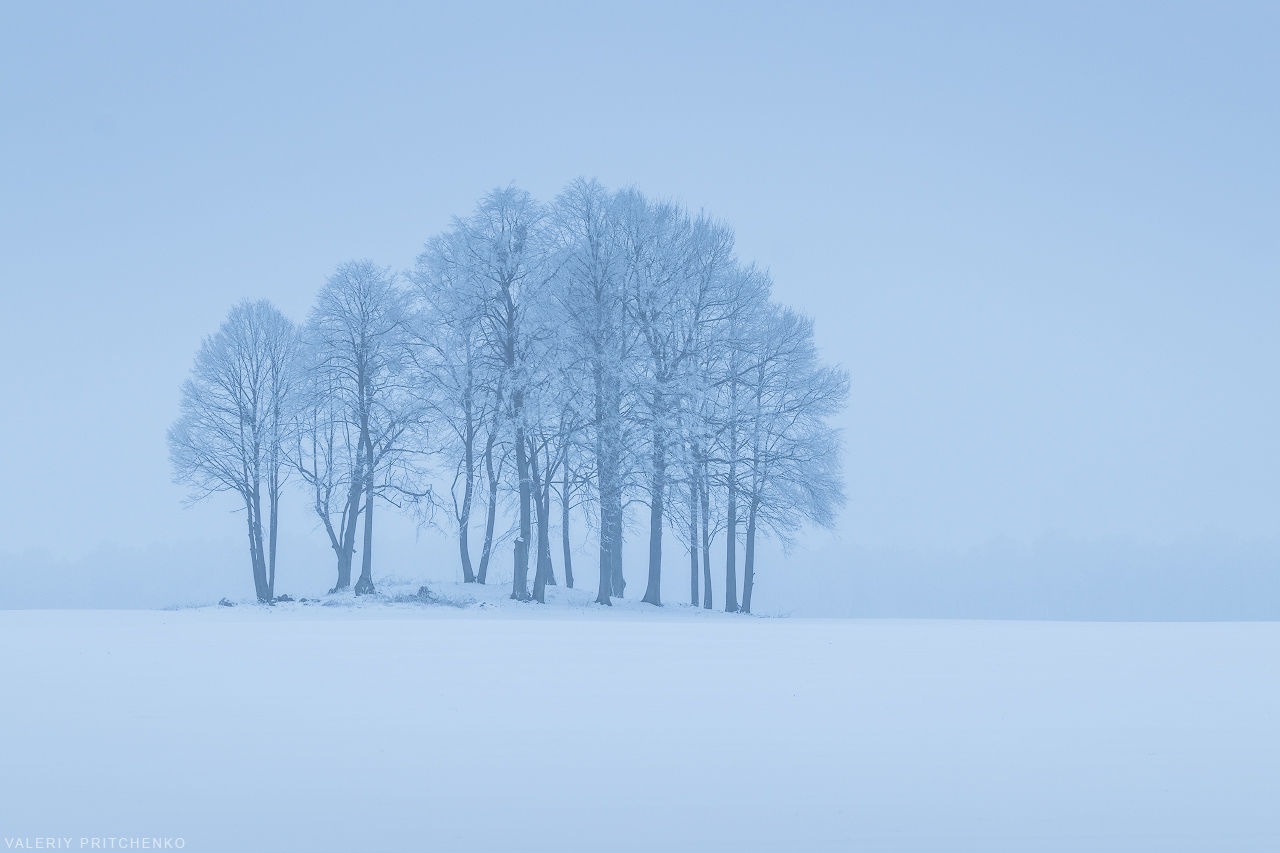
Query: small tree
{"x":235,"y":415}
{"x":792,"y":456}
{"x":464,"y":380}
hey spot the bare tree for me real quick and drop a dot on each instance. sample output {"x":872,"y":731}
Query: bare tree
{"x":327,"y":454}
{"x":498,"y":254}
{"x":360,"y":332}
{"x":609,"y":347}
{"x":793,"y":456}
{"x":677,"y":271}
{"x":732,"y":346}
{"x":464,"y":377}
{"x":590,"y":296}
{"x":235,"y":415}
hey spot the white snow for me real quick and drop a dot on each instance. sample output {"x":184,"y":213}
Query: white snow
{"x":570,"y":727}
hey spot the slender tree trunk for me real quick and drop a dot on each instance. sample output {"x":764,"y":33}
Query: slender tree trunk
{"x":467,"y":575}
{"x":542,"y":576}
{"x":606,"y":562}
{"x":657,"y":490}
{"x":693,"y":540}
{"x":704,"y":496}
{"x":731,"y":543}
{"x":275,"y":518}
{"x":520,"y":576}
{"x":731,"y":521}
{"x":615,"y":546}
{"x":564,"y":530}
{"x":492,"y":514}
{"x":464,"y":519}
{"x":255,"y":547}
{"x":606,"y":469}
{"x":545,"y":513}
{"x":749,"y":567}
{"x":352,"y":515}
{"x":364,"y":586}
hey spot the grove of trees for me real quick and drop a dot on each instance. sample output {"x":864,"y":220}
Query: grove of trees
{"x":539,"y":364}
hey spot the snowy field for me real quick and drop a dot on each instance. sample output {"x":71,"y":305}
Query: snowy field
{"x":384,"y":726}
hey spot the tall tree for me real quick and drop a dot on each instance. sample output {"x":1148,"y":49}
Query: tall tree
{"x":235,"y":415}
{"x":326,"y":453}
{"x":463,"y":376}
{"x":499,"y":253}
{"x":793,"y":456}
{"x":590,"y":295}
{"x":676,"y":272}
{"x":361,"y":339}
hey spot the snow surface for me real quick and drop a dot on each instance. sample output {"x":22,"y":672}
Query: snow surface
{"x":371,"y":725}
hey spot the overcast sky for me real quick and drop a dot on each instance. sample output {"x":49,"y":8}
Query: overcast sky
{"x":1045,"y":242}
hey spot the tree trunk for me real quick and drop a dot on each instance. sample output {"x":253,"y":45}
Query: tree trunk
{"x":255,"y":547}
{"x":693,"y":541}
{"x":731,"y":543}
{"x":492,"y":513}
{"x":520,"y":575}
{"x":704,"y":495}
{"x":615,"y":544}
{"x":749,"y":567}
{"x":545,"y":513}
{"x":348,"y":544}
{"x":564,"y":529}
{"x":364,"y":586}
{"x":464,"y":518}
{"x":543,"y":571}
{"x":274,"y":487}
{"x":657,"y":490}
{"x":608,"y":456}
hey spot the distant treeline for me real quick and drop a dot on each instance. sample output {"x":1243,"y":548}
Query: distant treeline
{"x":599,"y":352}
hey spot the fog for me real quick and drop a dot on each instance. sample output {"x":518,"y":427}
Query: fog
{"x":1042,"y":242}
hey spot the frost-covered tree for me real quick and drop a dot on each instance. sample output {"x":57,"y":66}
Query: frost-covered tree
{"x":731,"y":349}
{"x":359,"y":333}
{"x":236,"y":410}
{"x":591,"y":300}
{"x":464,"y":378}
{"x":327,"y":454}
{"x":791,"y":456}
{"x":607,"y":349}
{"x":677,"y":272}
{"x":499,"y":253}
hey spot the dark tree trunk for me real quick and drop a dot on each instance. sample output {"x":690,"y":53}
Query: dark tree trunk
{"x":704,"y":496}
{"x":364,"y":586}
{"x":749,"y":566}
{"x":543,"y":572}
{"x":464,"y":517}
{"x":693,"y":540}
{"x":545,"y":513}
{"x":253,"y":508}
{"x":348,"y":543}
{"x":657,"y":490}
{"x":492,"y":476}
{"x":520,"y":575}
{"x":731,"y":543}
{"x":608,"y":450}
{"x":274,"y":486}
{"x":564,"y":530}
{"x":731,"y":520}
{"x":615,"y":546}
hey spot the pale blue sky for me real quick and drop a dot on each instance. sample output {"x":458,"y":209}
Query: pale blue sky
{"x":1044,"y":240}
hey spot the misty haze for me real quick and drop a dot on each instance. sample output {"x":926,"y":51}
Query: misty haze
{"x":681,"y":427}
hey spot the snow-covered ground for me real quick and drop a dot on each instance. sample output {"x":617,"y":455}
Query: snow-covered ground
{"x":376,"y":725}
